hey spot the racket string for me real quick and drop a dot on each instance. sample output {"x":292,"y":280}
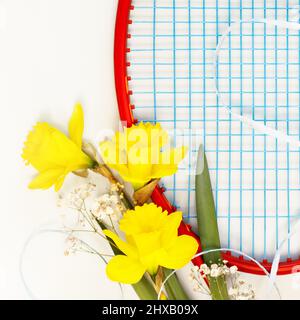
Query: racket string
{"x":255,"y":178}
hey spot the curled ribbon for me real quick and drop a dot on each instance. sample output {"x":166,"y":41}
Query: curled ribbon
{"x":244,"y":119}
{"x":46,"y":229}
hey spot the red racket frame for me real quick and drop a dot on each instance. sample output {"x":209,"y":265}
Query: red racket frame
{"x":125,"y":109}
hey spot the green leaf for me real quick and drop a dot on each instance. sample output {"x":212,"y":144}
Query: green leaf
{"x":208,"y":226}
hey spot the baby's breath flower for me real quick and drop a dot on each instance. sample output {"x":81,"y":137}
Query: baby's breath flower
{"x":215,"y":272}
{"x":114,"y":199}
{"x":60,"y":200}
{"x":239,"y":289}
{"x":107,"y":206}
{"x":195,"y":268}
{"x":226,"y":270}
{"x":191,"y":277}
{"x":205,"y":269}
{"x":196,"y":277}
{"x":233,"y":291}
{"x":114,"y":188}
{"x":77,"y":196}
{"x":84,"y":191}
{"x":72,"y":245}
{"x":233,"y":269}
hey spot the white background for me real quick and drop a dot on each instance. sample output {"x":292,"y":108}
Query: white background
{"x":52,"y":54}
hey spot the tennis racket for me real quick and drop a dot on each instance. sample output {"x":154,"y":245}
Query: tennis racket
{"x":219,"y":72}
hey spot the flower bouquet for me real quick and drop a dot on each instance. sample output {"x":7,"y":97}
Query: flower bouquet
{"x":144,"y":241}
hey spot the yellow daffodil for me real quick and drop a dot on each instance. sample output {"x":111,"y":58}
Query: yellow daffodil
{"x":53,"y":154}
{"x":151,"y":241}
{"x":138,"y":156}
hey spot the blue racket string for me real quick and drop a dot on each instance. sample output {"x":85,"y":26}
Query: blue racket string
{"x":255,"y":179}
{"x":288,"y":130}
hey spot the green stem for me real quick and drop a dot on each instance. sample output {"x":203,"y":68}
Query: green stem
{"x":218,"y":288}
{"x":208,"y":226}
{"x":173,"y":287}
{"x":144,"y":289}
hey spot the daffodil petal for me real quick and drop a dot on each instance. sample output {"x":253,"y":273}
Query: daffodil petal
{"x":76,"y":125}
{"x":59,"y":182}
{"x":113,"y":153}
{"x":174,"y":219}
{"x":46,"y":179}
{"x":159,"y":171}
{"x":36,"y":147}
{"x":173,"y":156}
{"x":125,"y":270}
{"x":171,"y":230}
{"x":180,"y":254}
{"x":158,"y":135}
{"x":126,"y":248}
{"x":136,"y":182}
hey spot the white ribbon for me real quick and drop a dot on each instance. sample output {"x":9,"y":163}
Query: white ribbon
{"x":244,"y":119}
{"x":276,"y":260}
